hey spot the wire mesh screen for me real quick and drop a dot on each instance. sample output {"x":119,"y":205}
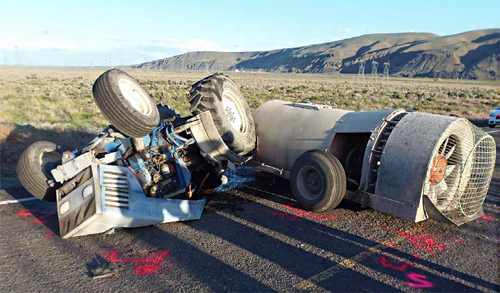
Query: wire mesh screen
{"x":481,"y":162}
{"x":460,"y":170}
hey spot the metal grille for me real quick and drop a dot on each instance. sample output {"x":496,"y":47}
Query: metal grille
{"x":115,"y":189}
{"x":460,"y":170}
{"x":481,"y":162}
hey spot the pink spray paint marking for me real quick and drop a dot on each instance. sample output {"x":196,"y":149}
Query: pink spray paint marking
{"x":419,"y":281}
{"x":24,"y":213}
{"x":386,"y":263}
{"x":49,"y":235}
{"x":144,"y":266}
{"x":280,"y":214}
{"x":385,"y":228}
{"x":460,"y":240}
{"x":284,"y":216}
{"x":424,"y":241}
{"x":390,"y":245}
{"x":485,"y":218}
{"x":38,"y":215}
{"x":300,"y":213}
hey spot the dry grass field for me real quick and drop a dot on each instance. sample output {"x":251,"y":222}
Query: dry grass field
{"x":56,"y":103}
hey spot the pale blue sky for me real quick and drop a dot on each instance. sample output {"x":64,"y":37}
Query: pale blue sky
{"x":123,"y":32}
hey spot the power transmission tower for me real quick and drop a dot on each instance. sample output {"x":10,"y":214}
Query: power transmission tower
{"x":374,"y":69}
{"x":361,"y":70}
{"x":386,"y":69}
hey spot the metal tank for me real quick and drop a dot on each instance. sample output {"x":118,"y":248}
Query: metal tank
{"x":409,"y":164}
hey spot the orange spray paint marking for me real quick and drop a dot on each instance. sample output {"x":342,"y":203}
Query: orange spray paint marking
{"x":149,"y":266}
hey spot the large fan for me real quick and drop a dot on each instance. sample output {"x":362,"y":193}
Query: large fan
{"x":444,"y":177}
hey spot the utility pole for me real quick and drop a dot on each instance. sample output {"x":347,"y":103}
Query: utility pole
{"x":361,"y":70}
{"x":374,"y":69}
{"x":386,"y":69}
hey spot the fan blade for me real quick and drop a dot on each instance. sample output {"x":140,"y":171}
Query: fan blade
{"x":449,"y":170}
{"x":442,"y":186}
{"x":448,"y":155}
{"x":432,"y":193}
{"x":445,"y":145}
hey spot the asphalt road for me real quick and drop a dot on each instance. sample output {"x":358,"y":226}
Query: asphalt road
{"x":253,"y":239}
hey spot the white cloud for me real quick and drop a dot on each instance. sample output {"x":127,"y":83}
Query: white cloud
{"x":78,"y":50}
{"x":343,"y":30}
{"x":36,"y":44}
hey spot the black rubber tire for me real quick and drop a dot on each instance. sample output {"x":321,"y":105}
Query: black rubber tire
{"x":491,"y":126}
{"x":118,"y":110}
{"x":333,"y":181}
{"x":34,"y":166}
{"x":206,"y":95}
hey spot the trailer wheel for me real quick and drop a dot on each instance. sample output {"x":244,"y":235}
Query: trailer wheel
{"x":230,"y":111}
{"x":125,"y":103}
{"x":34,"y":166}
{"x":318,"y":181}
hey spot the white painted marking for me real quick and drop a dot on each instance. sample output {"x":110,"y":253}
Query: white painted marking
{"x":492,"y":131}
{"x":17,"y":200}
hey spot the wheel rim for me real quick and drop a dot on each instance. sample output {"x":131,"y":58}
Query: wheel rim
{"x":234,"y":111}
{"x":309,"y":183}
{"x":49,"y":161}
{"x":135,"y":96}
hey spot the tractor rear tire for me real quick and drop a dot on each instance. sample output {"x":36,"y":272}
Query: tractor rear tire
{"x":229,"y":109}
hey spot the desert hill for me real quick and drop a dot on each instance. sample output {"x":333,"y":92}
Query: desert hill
{"x":468,"y":55}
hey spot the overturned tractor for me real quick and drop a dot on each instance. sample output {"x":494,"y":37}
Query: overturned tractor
{"x":151,"y":164}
